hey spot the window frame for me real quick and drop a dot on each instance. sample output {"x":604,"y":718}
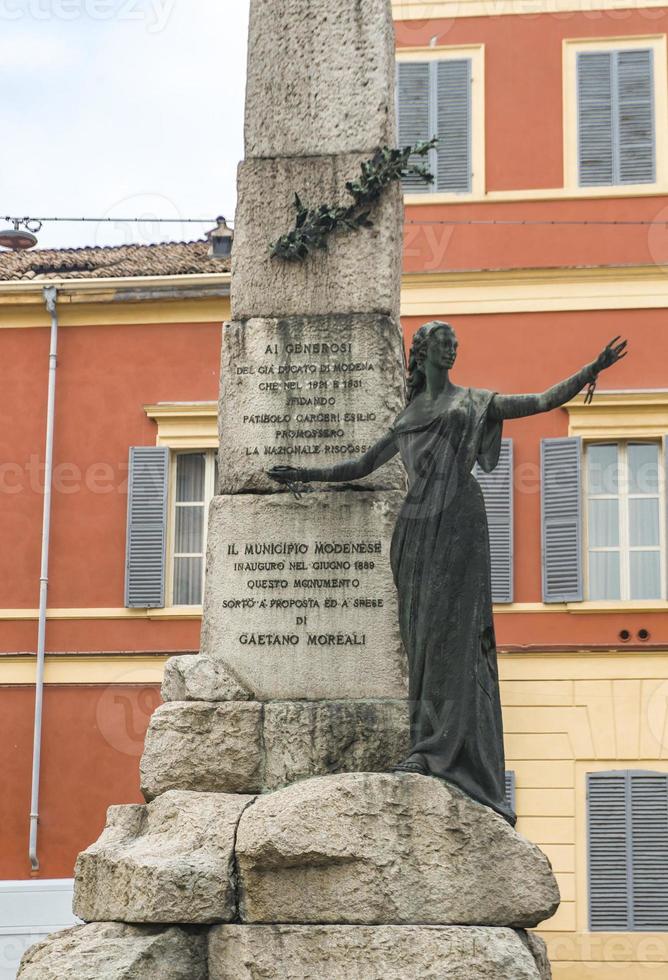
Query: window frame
{"x":624,"y":497}
{"x":571,"y":49}
{"x":210,"y":456}
{"x":476,"y":54}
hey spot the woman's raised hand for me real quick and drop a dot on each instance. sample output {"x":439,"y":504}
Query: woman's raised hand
{"x":613,"y":352}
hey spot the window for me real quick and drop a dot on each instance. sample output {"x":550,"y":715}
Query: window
{"x":603,"y":502}
{"x":438,"y":94}
{"x":624,"y":521}
{"x":616,"y":143}
{"x":615,"y":115}
{"x":627,"y":824}
{"x":193,"y":486}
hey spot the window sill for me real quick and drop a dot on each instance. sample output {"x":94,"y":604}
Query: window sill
{"x":540,"y":194}
{"x":169,"y":612}
{"x":586,"y":607}
{"x":175,"y":612}
{"x":618,"y":606}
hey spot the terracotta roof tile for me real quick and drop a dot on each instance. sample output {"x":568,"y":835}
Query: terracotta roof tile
{"x":167,"y":259}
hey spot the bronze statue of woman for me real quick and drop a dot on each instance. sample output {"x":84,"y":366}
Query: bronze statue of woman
{"x":440,"y":557}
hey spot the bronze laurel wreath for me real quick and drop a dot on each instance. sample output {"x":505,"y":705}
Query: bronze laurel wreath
{"x":314,"y":226}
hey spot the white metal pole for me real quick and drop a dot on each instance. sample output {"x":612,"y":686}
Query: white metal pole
{"x":50,"y":298}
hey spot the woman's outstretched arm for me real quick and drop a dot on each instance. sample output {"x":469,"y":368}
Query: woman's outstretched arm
{"x":519,"y":406}
{"x":354,"y":469}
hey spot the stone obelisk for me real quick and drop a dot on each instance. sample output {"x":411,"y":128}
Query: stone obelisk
{"x":274,"y":841}
{"x":299,"y":601}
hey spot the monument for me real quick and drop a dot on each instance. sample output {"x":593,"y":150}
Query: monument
{"x":276,"y":841}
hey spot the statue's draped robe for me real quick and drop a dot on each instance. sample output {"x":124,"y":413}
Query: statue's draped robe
{"x":441,"y":564}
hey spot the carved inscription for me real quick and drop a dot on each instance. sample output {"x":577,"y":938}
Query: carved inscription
{"x":306,"y":391}
{"x":298,"y":594}
{"x":300,"y":601}
{"x":309,"y":392}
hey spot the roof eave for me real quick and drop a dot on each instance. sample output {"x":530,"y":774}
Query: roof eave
{"x":120,"y":288}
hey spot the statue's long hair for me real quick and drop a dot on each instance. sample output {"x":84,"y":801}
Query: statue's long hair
{"x":416,"y":381}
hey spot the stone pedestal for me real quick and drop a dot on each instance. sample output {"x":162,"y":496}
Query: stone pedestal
{"x":360,"y":874}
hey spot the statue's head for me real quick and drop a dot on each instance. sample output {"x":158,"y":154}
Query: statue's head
{"x":436,"y":342}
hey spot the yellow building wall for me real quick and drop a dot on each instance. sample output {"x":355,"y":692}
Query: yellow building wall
{"x":564,"y":716}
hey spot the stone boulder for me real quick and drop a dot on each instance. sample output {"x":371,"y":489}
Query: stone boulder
{"x":111,"y":951}
{"x":392,"y":849}
{"x":248,"y":747}
{"x":538,"y":949}
{"x":317,"y":738}
{"x":205,"y":747}
{"x":170,"y":861}
{"x":199,"y":678}
{"x":369,"y":952}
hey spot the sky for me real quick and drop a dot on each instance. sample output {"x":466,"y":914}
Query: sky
{"x":121,"y":108}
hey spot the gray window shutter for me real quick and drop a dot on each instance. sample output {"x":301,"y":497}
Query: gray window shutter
{"x":616,"y":139}
{"x":609,"y":886}
{"x":511,"y":792}
{"x":627,"y":818}
{"x":414,"y":108}
{"x":454,"y":125}
{"x":595,"y":119}
{"x":635,"y":85}
{"x":561,"y":518}
{"x":497,"y":489}
{"x":147,"y":527}
{"x":649,"y":851}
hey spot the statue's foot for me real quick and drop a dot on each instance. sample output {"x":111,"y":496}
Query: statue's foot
{"x":414,"y":767}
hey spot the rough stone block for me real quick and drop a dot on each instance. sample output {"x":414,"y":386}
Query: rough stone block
{"x":308,"y":391}
{"x":205,"y":747}
{"x":304,"y":739}
{"x":360,"y":272}
{"x":392,"y":849}
{"x":321,"y":77}
{"x":368,"y":953}
{"x":198,"y":678}
{"x":299,"y":602}
{"x":170,"y":861}
{"x":249,"y":747}
{"x":111,"y":951}
{"x":538,"y":949}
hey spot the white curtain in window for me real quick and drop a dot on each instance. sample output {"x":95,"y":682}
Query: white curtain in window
{"x":604,"y":523}
{"x":189,"y":528}
{"x":187,"y":581}
{"x":604,"y":575}
{"x":190,"y":474}
{"x":645,"y":575}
